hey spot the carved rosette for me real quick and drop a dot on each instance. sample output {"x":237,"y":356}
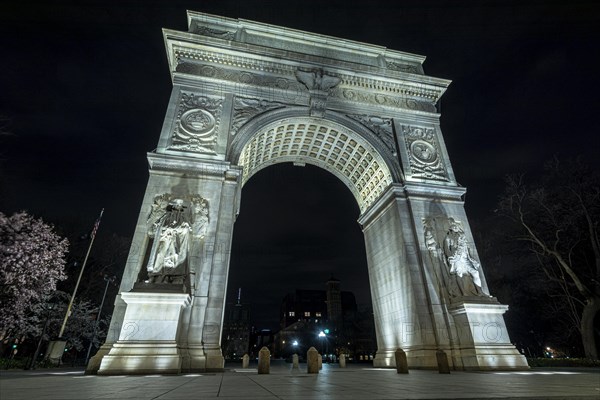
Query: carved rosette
{"x":197,"y":124}
{"x":245,"y":109}
{"x":382,"y":127}
{"x":424,"y":155}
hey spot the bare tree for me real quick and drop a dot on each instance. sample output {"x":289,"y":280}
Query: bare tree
{"x":556,"y":220}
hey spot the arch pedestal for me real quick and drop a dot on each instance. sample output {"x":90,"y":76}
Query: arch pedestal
{"x":248,"y":95}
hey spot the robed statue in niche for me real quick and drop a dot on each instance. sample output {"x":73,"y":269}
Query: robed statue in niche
{"x":459,"y":270}
{"x":172,"y":224}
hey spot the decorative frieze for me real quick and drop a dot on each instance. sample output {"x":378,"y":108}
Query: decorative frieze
{"x":424,"y":155}
{"x":190,"y":60}
{"x":384,"y":100}
{"x":197,"y":124}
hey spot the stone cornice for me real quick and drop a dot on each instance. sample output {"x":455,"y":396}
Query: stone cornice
{"x":194,"y":166}
{"x":438,"y":191}
{"x":281,"y":37}
{"x":407,"y":191}
{"x":188,"y":47}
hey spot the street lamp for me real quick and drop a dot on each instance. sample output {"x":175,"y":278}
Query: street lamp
{"x":322,"y":336}
{"x":108,"y":280}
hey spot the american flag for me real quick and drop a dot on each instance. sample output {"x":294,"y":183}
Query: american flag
{"x":96,"y":225}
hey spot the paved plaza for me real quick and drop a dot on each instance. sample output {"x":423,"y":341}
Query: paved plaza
{"x":354,"y":382}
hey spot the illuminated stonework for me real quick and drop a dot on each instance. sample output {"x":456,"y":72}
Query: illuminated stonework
{"x":329,"y":146}
{"x":248,"y":95}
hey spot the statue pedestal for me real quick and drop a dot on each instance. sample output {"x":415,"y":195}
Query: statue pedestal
{"x":148,"y":338}
{"x":483,"y":339}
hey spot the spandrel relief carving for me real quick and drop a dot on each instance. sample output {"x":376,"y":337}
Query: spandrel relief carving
{"x":245,"y":109}
{"x":173,"y":225}
{"x":455,"y":268}
{"x":424,"y":156}
{"x":382,"y":127}
{"x":197,"y":124}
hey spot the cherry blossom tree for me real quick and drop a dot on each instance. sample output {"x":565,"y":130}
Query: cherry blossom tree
{"x":32,"y":260}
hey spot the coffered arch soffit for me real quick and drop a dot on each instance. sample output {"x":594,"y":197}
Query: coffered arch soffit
{"x":335,"y":143}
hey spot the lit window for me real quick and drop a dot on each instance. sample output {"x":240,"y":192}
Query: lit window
{"x":317,"y":314}
{"x":292,"y":314}
{"x":307,"y":313}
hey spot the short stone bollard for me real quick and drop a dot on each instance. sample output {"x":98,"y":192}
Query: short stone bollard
{"x":342,"y":361}
{"x":401,"y":362}
{"x":312,"y":361}
{"x":246,"y":361}
{"x":264,"y":361}
{"x":442,"y":361}
{"x":320,"y":362}
{"x":295,"y":362}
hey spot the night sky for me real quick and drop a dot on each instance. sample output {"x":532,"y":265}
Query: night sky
{"x":84,"y":87}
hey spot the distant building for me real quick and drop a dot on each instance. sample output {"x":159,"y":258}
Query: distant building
{"x":327,"y":320}
{"x":236,"y":330}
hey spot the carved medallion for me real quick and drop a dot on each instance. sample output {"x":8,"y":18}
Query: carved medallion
{"x":197,"y":124}
{"x":423,"y":154}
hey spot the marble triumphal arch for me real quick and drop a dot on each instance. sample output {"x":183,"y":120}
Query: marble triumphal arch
{"x":247,"y":95}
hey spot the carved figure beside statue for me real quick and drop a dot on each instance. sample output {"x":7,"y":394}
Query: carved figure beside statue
{"x":173,"y":225}
{"x":460,"y":262}
{"x":459,"y":270}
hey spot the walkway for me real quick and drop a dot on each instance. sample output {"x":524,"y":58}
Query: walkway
{"x":354,"y":382}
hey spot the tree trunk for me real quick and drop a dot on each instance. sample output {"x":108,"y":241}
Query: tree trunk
{"x":587,"y":327}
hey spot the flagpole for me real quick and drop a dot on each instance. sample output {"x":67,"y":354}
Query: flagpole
{"x":64,"y":324}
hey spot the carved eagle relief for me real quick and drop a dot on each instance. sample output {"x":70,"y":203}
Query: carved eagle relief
{"x":317,"y":80}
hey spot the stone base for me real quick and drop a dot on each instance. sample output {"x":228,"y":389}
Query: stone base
{"x":198,"y":358}
{"x":484,"y":343}
{"x":148,"y":338}
{"x":141,"y":358}
{"x":416,"y":358}
{"x":479,"y":341}
{"x":94,"y":364}
{"x":56,"y":349}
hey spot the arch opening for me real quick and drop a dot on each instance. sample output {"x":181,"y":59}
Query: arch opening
{"x":290,"y":238}
{"x":325,"y":144}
